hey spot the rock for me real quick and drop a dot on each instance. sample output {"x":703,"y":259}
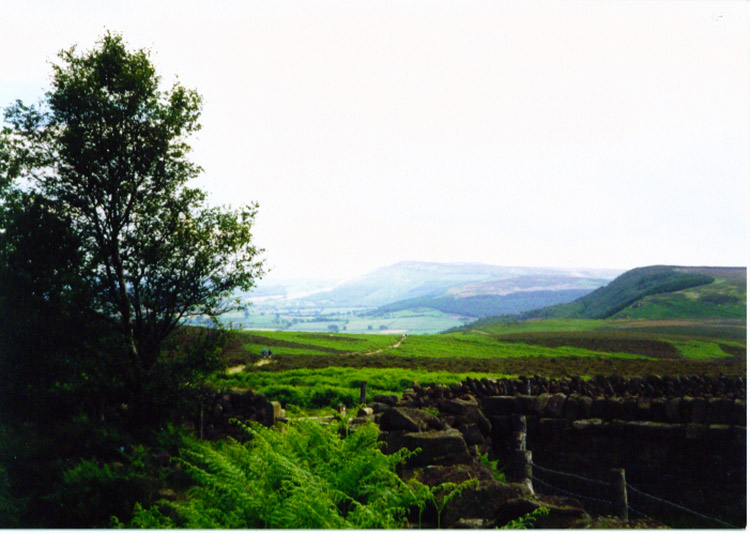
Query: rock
{"x":540,"y":404}
{"x":499,"y":405}
{"x":698,"y":411}
{"x":471,"y":523}
{"x":378,"y":407}
{"x":445,"y":447}
{"x":458,"y":406}
{"x":386,"y":399}
{"x":719,"y":411}
{"x":555,"y":405}
{"x":672,"y":410}
{"x":739,"y":413}
{"x":409,"y":419}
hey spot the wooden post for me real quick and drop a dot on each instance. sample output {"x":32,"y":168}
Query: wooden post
{"x":273,"y":411}
{"x":363,"y":393}
{"x":619,"y":493}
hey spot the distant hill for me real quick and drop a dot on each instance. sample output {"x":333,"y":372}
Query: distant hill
{"x":411,"y":284}
{"x":655,"y":292}
{"x":504,"y":296}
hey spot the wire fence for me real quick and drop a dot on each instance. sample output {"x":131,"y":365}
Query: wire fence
{"x":580,"y":487}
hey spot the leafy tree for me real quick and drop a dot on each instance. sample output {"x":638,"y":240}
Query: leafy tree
{"x":105,"y":152}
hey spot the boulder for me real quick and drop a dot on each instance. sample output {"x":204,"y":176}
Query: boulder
{"x":409,"y":419}
{"x":458,"y":406}
{"x":446,"y":447}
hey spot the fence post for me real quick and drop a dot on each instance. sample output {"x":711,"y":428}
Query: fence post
{"x":519,"y":433}
{"x":619,"y":493}
{"x":519,"y":469}
{"x":363,"y":393}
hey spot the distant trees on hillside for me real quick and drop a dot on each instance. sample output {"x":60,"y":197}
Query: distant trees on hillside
{"x":96,"y":207}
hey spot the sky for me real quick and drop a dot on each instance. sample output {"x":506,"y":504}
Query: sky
{"x":604,"y":134}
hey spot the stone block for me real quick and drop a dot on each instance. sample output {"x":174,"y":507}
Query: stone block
{"x":695,"y":431}
{"x":589,"y":424}
{"x":629,"y":409}
{"x":697,"y":411}
{"x":643,"y":409}
{"x":553,"y":425}
{"x":525,"y":404}
{"x":458,"y":406}
{"x":739,"y":413}
{"x":540,"y":404}
{"x":672,"y":410}
{"x":387,"y":399}
{"x":719,"y":411}
{"x":572,"y":407}
{"x":499,"y":405}
{"x":656,"y":431}
{"x":409,"y":419}
{"x":555,"y":405}
{"x":446,"y":447}
{"x":598,"y":409}
{"x":658,"y":410}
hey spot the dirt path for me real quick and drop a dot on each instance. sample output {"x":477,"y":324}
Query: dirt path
{"x":381,"y":350}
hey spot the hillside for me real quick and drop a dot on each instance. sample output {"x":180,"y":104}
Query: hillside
{"x":655,"y":292}
{"x":415,"y":279}
{"x":505,"y":296}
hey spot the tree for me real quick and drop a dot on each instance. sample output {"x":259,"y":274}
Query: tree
{"x":107,"y":151}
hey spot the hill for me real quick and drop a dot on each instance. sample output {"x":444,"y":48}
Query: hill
{"x":654,"y":292}
{"x":504,"y":296}
{"x":410,"y":280}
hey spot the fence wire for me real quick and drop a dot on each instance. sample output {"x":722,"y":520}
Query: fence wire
{"x":607,"y":503}
{"x":536,"y":480}
{"x":574,"y":476}
{"x":680,"y":507}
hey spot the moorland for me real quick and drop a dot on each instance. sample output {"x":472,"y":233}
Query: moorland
{"x":127,"y":401}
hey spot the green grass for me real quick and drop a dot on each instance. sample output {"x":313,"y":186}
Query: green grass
{"x":329,"y":386}
{"x":551,"y":324}
{"x":699,"y":350}
{"x":486,"y":346}
{"x":283,"y":342}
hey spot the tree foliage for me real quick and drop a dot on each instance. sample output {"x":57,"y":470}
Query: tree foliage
{"x":105,"y":157}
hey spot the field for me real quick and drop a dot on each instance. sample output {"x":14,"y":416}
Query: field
{"x":316,"y":369}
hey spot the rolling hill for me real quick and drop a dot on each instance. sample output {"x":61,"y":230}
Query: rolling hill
{"x":411,"y":284}
{"x":654,"y":292}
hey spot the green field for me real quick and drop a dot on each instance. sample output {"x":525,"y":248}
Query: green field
{"x":319,"y":369}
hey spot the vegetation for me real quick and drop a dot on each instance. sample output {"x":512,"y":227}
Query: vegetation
{"x":656,"y":292}
{"x":306,"y":477}
{"x":106,"y":252}
{"x":487,"y":304}
{"x":99,"y":170}
{"x":328,"y":387}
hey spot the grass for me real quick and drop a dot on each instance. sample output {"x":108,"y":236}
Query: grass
{"x":327,"y":387}
{"x":485,"y":346}
{"x":700,"y":350}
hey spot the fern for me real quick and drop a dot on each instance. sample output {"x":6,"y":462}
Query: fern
{"x":304,"y":477}
{"x":527,"y":521}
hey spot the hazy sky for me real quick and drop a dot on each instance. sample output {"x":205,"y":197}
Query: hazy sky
{"x":600,"y":134}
